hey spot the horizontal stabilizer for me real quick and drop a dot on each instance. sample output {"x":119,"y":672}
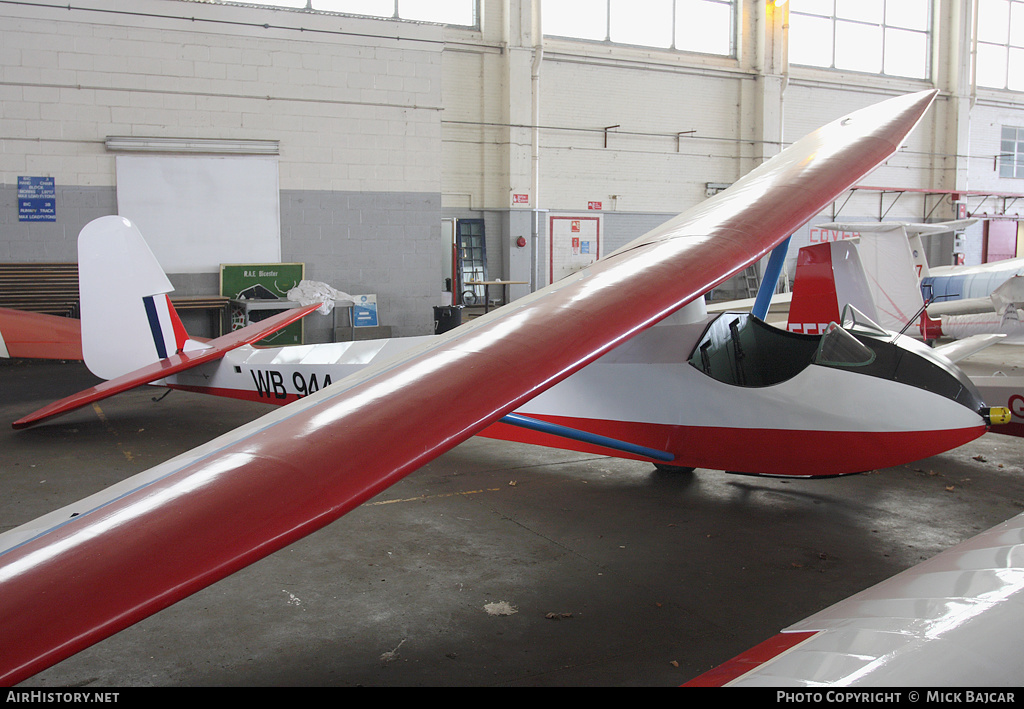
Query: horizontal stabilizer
{"x":216,"y":349}
{"x":961,"y":349}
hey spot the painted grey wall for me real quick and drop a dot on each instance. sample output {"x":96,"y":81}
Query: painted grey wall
{"x":357,"y":242}
{"x":383,"y":243}
{"x":54,"y":242}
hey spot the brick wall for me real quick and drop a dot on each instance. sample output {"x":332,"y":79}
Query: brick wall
{"x":354,"y":103}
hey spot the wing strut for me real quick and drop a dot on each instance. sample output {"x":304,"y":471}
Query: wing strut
{"x":770,"y":280}
{"x":585,"y":436}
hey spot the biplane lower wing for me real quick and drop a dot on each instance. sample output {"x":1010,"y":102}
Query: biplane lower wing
{"x":210,"y":512}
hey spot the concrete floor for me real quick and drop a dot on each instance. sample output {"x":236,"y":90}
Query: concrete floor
{"x":617,"y":574}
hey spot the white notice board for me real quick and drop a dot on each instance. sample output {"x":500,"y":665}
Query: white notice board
{"x":575,"y":242}
{"x":197,"y":212}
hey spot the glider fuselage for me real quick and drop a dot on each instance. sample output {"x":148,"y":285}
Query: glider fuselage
{"x":726,"y":392}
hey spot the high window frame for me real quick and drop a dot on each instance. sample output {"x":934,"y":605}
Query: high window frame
{"x":458,"y":13}
{"x":833,"y":34}
{"x":701,"y":26}
{"x":1000,"y":55}
{"x":1011,"y":152}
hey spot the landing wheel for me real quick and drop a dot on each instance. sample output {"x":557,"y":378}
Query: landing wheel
{"x":662,"y":468}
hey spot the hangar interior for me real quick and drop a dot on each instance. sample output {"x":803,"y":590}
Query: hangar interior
{"x":377,"y":134}
{"x":363,"y":139}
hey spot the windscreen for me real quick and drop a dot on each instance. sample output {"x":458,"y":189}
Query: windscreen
{"x":840,"y":348}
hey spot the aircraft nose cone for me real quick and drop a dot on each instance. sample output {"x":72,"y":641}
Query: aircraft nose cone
{"x":996,"y":415}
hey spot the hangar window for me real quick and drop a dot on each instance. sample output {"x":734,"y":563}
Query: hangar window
{"x":1011,"y":152}
{"x":705,"y":26}
{"x":1000,"y":56}
{"x":891,"y":37}
{"x":449,"y":12}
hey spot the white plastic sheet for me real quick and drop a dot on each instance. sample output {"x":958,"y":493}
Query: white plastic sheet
{"x":309,"y":292}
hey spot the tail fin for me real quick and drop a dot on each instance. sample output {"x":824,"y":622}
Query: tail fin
{"x":828,"y":277}
{"x":128,"y":321}
{"x":894,"y":260}
{"x":892,"y":269}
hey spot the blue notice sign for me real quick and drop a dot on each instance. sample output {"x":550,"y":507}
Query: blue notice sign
{"x":364,"y":311}
{"x":37,"y":199}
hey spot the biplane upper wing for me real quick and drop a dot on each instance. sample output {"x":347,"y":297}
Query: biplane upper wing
{"x":205,"y":514}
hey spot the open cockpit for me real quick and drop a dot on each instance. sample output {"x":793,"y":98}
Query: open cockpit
{"x":740,"y":349}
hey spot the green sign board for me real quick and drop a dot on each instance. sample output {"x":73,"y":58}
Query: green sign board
{"x":261,"y":283}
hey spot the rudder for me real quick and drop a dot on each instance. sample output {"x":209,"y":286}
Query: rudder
{"x":828,"y":277}
{"x":127,"y":318}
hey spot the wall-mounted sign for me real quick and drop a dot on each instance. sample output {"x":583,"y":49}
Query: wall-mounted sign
{"x":520,"y":199}
{"x":574,"y":242}
{"x":594,"y":205}
{"x":364,"y":312}
{"x":261,"y":284}
{"x":37,"y":199}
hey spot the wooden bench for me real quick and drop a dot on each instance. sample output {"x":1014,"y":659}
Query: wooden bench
{"x":50,"y":288}
{"x":219,"y":304}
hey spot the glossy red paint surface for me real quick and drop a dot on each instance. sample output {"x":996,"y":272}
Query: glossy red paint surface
{"x":262,"y":397}
{"x":768,"y":451}
{"x":307,"y":464}
{"x":749,"y":660}
{"x":814,"y":304}
{"x":40,"y":336}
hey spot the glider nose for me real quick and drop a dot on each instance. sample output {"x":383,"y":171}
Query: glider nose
{"x":995,"y":415}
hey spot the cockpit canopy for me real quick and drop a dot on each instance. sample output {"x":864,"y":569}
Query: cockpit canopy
{"x":743,"y":350}
{"x":838,"y":348}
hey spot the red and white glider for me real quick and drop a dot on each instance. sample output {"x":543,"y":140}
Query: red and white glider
{"x":627,"y":402}
{"x":212,"y":511}
{"x":833,"y":275}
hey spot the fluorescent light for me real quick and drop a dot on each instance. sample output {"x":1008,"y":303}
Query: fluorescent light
{"x":219,"y":146}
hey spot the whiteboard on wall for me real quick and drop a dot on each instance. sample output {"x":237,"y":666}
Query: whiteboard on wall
{"x":197,"y":212}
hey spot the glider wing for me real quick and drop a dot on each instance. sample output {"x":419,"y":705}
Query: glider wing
{"x":214,"y":510}
{"x":949,"y":619}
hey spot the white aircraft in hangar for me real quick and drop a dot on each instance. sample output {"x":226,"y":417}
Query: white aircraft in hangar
{"x":959,"y":301}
